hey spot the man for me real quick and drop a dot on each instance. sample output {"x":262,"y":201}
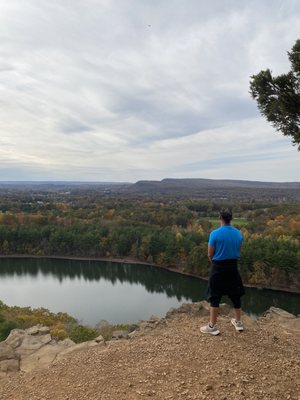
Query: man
{"x":224,"y":279}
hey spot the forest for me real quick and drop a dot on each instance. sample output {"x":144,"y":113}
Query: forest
{"x":169,"y":230}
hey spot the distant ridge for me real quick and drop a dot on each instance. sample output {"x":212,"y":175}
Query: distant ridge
{"x":199,"y":183}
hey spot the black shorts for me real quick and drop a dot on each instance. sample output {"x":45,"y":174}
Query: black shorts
{"x":224,"y":279}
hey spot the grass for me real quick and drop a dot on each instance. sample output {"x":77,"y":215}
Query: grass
{"x":215,"y":221}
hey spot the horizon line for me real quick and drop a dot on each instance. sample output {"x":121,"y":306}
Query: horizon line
{"x":139,"y":180}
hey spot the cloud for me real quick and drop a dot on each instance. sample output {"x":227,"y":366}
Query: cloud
{"x":126,"y":90}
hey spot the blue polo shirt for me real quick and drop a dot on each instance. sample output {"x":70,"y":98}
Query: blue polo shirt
{"x":227,"y":241}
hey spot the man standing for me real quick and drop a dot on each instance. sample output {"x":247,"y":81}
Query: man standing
{"x":224,"y":279}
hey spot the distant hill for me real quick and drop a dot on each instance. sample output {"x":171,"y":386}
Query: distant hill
{"x":209,"y":189}
{"x":211,"y":183}
{"x":220,"y":189}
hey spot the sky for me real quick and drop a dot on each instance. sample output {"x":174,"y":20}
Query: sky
{"x":125,"y":90}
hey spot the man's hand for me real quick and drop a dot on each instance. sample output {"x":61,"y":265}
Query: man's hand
{"x":210,"y":252}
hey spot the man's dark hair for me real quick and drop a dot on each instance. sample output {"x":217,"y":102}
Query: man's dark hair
{"x":226,"y":215}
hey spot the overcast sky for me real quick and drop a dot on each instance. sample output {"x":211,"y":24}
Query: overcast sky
{"x":123,"y":90}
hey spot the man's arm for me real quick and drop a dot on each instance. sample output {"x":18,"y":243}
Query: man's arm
{"x":210,"y":252}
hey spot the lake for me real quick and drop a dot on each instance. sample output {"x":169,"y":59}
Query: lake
{"x":92,"y":291}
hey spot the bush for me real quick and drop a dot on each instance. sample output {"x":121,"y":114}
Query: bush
{"x":5,"y":328}
{"x":80,"y":333}
{"x":58,"y":333}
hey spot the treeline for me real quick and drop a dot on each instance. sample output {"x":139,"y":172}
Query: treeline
{"x":171,"y":233}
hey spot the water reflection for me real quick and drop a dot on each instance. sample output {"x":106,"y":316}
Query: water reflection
{"x":154,"y":280}
{"x":129,"y":277}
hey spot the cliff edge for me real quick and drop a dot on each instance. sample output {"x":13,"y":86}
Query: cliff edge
{"x":168,"y":358}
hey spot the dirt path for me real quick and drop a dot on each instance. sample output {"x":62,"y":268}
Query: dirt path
{"x":174,"y":361}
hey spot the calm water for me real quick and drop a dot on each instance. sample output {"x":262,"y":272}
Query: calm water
{"x":92,"y":291}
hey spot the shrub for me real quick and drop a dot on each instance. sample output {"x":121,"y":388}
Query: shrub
{"x":80,"y":333}
{"x":58,"y":333}
{"x":5,"y":328}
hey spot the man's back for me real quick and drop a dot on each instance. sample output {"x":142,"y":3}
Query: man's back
{"x":227,"y":241}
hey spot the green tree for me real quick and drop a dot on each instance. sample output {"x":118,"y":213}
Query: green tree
{"x":278,"y":97}
{"x":5,"y":247}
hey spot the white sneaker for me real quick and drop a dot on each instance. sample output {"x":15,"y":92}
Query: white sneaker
{"x":212,"y":330}
{"x":237,"y":324}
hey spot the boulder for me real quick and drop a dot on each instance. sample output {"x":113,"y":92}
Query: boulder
{"x":121,"y":334}
{"x":132,"y":328}
{"x":99,"y":339}
{"x":278,"y":313}
{"x":15,"y":338}
{"x":282,"y":318}
{"x":27,"y":341}
{"x":44,"y":355}
{"x":201,"y":309}
{"x":38,"y":330}
{"x":31,"y":343}
{"x":9,"y":366}
{"x":33,"y":348}
{"x":30,"y":349}
{"x":6,"y":352}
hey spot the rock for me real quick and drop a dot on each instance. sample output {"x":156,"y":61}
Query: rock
{"x":9,"y":366}
{"x":274,"y":313}
{"x":99,"y":339}
{"x":282,"y":318}
{"x":44,"y":356}
{"x":15,"y":337}
{"x":145,"y":326}
{"x":29,"y":340}
{"x":201,"y":309}
{"x":34,"y":330}
{"x":34,"y":348}
{"x":6,"y":352}
{"x":121,"y":334}
{"x":44,"y":330}
{"x":171,"y":312}
{"x":31,"y":343}
{"x":30,"y":349}
{"x":132,"y":327}
{"x":38,"y":330}
{"x":154,"y":318}
{"x":153,"y":322}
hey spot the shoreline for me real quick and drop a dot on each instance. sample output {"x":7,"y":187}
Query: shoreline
{"x":128,"y":260}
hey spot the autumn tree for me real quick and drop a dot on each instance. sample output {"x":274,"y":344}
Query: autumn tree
{"x":278,"y":97}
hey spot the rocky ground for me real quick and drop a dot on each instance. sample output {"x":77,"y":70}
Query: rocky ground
{"x":170,"y":359}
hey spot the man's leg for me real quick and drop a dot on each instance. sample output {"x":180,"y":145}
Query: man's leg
{"x":237,"y":312}
{"x":237,"y":323}
{"x":236,"y":301}
{"x":214,"y":311}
